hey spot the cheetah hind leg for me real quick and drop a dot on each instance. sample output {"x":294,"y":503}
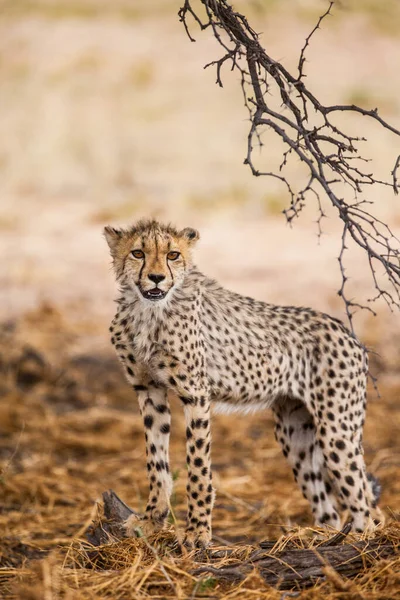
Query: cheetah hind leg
{"x":296,"y":433}
{"x":357,"y":491}
{"x":375,"y":488}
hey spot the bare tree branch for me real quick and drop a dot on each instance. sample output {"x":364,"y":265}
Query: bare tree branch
{"x":394,"y":175}
{"x":309,"y":131}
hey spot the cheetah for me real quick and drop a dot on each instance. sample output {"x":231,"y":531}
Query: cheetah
{"x":175,"y":329}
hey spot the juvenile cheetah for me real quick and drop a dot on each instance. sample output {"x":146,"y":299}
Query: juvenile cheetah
{"x":175,"y":329}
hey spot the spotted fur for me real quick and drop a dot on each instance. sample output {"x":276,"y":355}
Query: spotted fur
{"x":176,"y":329}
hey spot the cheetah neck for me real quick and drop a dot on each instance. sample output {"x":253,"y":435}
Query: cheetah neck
{"x":148,"y":312}
{"x":149,"y":323}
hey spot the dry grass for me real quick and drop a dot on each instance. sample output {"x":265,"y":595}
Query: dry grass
{"x":70,"y":429}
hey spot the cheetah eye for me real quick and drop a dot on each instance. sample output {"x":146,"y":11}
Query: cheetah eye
{"x":137,"y":253}
{"x":173,"y":255}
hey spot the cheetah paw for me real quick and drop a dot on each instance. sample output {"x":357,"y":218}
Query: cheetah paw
{"x":197,"y":540}
{"x":138,"y":526}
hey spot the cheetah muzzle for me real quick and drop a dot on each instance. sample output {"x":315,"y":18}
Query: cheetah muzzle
{"x":153,"y":294}
{"x":213,"y":346}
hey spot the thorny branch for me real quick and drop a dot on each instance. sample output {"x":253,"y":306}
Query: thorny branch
{"x":308,"y":129}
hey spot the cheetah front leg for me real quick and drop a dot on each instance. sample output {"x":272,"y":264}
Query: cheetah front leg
{"x":154,"y":408}
{"x":200,"y":492}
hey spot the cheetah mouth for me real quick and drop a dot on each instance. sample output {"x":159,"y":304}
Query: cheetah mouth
{"x":153,"y":294}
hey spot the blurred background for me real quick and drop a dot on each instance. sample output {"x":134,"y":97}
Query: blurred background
{"x":106,"y":116}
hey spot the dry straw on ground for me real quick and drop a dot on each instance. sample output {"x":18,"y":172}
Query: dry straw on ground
{"x":70,"y":429}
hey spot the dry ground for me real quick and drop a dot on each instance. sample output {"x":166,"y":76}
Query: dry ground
{"x":71,"y":429}
{"x":106,"y":116}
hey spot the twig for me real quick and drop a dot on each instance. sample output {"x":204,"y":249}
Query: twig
{"x":394,"y":175}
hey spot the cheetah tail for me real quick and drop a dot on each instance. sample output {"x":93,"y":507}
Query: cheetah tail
{"x":376,"y":487}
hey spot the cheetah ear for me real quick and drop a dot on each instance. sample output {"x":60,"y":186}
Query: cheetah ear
{"x":191,"y":235}
{"x":113,"y":237}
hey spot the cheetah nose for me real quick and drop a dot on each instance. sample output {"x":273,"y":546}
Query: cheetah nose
{"x":156,"y":278}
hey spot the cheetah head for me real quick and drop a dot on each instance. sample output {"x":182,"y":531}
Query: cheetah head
{"x":151,"y":258}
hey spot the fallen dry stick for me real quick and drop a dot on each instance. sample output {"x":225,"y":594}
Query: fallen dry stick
{"x":111,"y":529}
{"x":303,"y":568}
